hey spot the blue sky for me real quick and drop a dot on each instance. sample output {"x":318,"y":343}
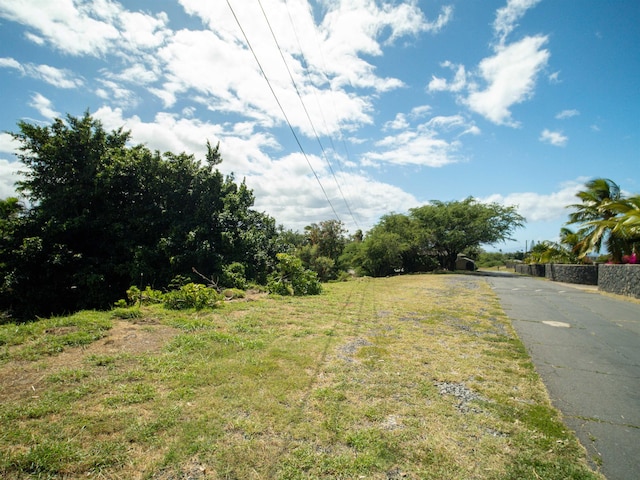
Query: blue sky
{"x":394,"y":103}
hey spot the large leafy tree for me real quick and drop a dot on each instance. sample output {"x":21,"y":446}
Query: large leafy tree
{"x":449,"y":228}
{"x":322,"y":246}
{"x":102,"y":214}
{"x":410,"y":245}
{"x":432,"y":236}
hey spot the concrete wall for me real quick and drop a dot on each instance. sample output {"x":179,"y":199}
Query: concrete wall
{"x":582,"y":274}
{"x":620,"y":279}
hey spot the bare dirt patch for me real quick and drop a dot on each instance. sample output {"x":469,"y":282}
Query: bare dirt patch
{"x":20,"y":379}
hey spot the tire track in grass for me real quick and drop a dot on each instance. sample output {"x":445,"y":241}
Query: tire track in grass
{"x":299,"y":410}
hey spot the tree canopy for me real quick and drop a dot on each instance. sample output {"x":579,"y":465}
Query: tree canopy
{"x":432,"y":236}
{"x":103,"y":213}
{"x":606,"y":218}
{"x":449,"y":228}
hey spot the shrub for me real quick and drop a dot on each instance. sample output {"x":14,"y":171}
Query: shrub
{"x":233,"y":276}
{"x":147,"y":296}
{"x":291,"y":278}
{"x":325,"y":268}
{"x":192,"y":295}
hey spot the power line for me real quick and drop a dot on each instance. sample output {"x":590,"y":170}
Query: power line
{"x":306,"y":111}
{"x":323,"y":70}
{"x":275,"y":96}
{"x":306,"y":70}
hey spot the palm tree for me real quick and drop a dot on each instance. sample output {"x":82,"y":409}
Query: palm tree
{"x":571,"y":242}
{"x":596,"y":214}
{"x":624,"y":227}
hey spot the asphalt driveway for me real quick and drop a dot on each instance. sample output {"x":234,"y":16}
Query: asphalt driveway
{"x":586,"y":347}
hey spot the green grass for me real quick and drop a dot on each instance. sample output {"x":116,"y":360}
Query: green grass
{"x":418,"y":377}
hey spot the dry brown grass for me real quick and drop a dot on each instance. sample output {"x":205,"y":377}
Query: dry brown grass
{"x":412,"y":377}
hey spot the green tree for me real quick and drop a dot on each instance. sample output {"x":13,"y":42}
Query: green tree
{"x":328,"y":236}
{"x":323,"y":245}
{"x":449,"y":228}
{"x":291,"y":278}
{"x":624,"y":227}
{"x":11,"y":210}
{"x":414,"y":247}
{"x":550,"y":252}
{"x":382,"y":253}
{"x":103,"y":213}
{"x":599,"y":215}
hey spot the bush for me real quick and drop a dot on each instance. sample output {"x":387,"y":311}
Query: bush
{"x":147,"y":296}
{"x":192,"y":295}
{"x":325,"y":268}
{"x":233,"y":276}
{"x":291,"y":278}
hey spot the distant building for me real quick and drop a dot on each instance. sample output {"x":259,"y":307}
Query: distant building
{"x":464,"y":263}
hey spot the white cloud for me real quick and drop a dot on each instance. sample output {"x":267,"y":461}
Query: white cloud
{"x":537,"y":207}
{"x":502,"y":80}
{"x":116,"y":94}
{"x":422,"y":145}
{"x":297,"y":201}
{"x":32,"y":37}
{"x":420,"y":111}
{"x":86,"y":28}
{"x":567,"y":114}
{"x":458,"y":84}
{"x":142,"y":31}
{"x":554,"y":77}
{"x":63,"y":24}
{"x":8,"y":176}
{"x":508,"y":16}
{"x":44,"y":106}
{"x":398,"y":123}
{"x":138,"y":74}
{"x":61,"y":78}
{"x":325,"y":59}
{"x":8,"y":144}
{"x":556,"y":139}
{"x":8,"y":62}
{"x":413,"y":148}
{"x":446,"y":15}
{"x":510,"y":76}
{"x":242,"y":148}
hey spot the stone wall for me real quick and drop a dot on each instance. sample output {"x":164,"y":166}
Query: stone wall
{"x":533,"y":269}
{"x":620,"y":279}
{"x":581,"y":274}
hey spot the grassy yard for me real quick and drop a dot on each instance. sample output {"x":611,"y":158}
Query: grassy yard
{"x":412,"y":377}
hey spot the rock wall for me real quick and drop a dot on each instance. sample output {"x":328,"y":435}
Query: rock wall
{"x":533,"y":269}
{"x":581,"y":274}
{"x":620,"y":279}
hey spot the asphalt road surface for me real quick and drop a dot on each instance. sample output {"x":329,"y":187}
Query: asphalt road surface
{"x":586,"y":347}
